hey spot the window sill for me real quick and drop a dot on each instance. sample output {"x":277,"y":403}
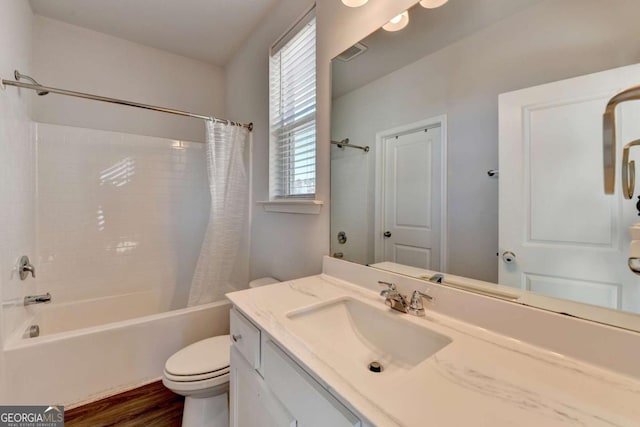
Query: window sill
{"x":305,"y":207}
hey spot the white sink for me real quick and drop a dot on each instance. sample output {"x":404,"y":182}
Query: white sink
{"x":350,"y":334}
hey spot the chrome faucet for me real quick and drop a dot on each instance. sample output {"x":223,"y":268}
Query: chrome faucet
{"x":416,"y":307}
{"x":393,"y":298}
{"x":399,"y":302}
{"x":37,"y":299}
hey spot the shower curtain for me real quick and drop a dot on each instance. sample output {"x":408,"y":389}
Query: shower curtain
{"x":223,"y":264}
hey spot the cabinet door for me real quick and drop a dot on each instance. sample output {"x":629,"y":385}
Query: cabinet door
{"x":245,"y":336}
{"x":252,"y":404}
{"x":308,"y":401}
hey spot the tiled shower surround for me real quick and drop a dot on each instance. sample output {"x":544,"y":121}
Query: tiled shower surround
{"x":118,"y":214}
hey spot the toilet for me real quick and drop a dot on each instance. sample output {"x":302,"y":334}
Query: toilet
{"x":200,"y":373}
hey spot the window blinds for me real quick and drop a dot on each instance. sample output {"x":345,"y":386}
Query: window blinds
{"x":292,"y":111}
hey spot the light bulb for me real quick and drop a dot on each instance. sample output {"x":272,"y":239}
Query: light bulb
{"x":431,"y":4}
{"x":354,"y":3}
{"x":397,"y":22}
{"x":396,"y":19}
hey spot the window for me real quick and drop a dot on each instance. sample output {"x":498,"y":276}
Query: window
{"x":292,"y":113}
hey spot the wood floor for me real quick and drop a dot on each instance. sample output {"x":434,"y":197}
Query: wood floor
{"x":151,"y":405}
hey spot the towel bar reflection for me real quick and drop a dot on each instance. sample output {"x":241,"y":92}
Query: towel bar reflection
{"x":345,"y":143}
{"x":609,"y":135}
{"x":628,"y":171}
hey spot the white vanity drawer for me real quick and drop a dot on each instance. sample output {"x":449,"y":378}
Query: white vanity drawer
{"x":245,"y":337}
{"x":304,"y":397}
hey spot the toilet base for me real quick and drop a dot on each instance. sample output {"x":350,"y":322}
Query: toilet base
{"x":208,"y":411}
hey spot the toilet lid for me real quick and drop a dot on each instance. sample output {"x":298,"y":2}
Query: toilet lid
{"x":209,"y":355}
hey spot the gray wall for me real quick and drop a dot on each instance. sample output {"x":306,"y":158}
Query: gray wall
{"x":287,"y":246}
{"x":549,"y":41}
{"x":75,"y":58}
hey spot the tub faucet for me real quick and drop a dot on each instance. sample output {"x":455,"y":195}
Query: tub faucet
{"x":37,"y":299}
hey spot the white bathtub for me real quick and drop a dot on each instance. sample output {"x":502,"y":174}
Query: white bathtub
{"x":78,"y":358}
{"x":56,"y":318}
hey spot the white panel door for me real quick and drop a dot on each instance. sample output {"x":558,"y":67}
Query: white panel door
{"x":412,"y":198}
{"x":570,"y":240}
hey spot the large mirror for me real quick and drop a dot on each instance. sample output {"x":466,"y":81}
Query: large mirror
{"x":469,"y":142}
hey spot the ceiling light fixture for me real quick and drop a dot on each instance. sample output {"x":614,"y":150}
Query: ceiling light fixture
{"x":397,"y":22}
{"x":431,"y":4}
{"x":354,"y":3}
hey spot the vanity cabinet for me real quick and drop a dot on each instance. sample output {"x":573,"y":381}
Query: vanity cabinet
{"x":268,"y":388}
{"x":252,"y":404}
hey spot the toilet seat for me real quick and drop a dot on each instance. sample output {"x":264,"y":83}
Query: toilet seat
{"x":199,"y":362}
{"x":201,"y":388}
{"x":197,"y":377}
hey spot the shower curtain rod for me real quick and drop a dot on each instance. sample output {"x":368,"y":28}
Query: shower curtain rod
{"x":40,"y":88}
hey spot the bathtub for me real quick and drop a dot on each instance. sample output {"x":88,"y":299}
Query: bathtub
{"x":90,"y":349}
{"x":56,"y":318}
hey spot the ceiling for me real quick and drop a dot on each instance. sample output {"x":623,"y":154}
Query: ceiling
{"x":429,"y":30}
{"x":208,"y":30}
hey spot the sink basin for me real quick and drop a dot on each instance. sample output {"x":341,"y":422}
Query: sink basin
{"x":348,"y":333}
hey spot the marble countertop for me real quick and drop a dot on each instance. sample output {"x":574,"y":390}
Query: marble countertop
{"x":481,"y":378}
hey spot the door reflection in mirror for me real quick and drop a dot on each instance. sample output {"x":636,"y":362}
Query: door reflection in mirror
{"x":456,"y":61}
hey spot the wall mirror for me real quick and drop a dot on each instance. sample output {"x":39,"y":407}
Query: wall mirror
{"x":470,"y":143}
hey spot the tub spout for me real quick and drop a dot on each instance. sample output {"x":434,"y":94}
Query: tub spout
{"x":37,"y":299}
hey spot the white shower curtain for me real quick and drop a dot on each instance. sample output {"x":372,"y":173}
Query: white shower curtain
{"x":223,"y":264}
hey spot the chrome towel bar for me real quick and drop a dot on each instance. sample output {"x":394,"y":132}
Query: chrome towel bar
{"x":345,"y":143}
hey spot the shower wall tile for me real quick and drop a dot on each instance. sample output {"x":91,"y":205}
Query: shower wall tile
{"x":118,"y":213}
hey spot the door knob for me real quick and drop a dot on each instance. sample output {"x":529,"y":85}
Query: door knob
{"x":509,"y":257}
{"x":387,"y":234}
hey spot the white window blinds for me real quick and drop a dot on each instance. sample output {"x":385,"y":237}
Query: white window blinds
{"x":292,"y":111}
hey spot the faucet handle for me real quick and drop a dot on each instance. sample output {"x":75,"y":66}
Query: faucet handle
{"x":416,"y":307}
{"x":417,"y":294}
{"x":391,"y":288}
{"x":25,"y":267}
